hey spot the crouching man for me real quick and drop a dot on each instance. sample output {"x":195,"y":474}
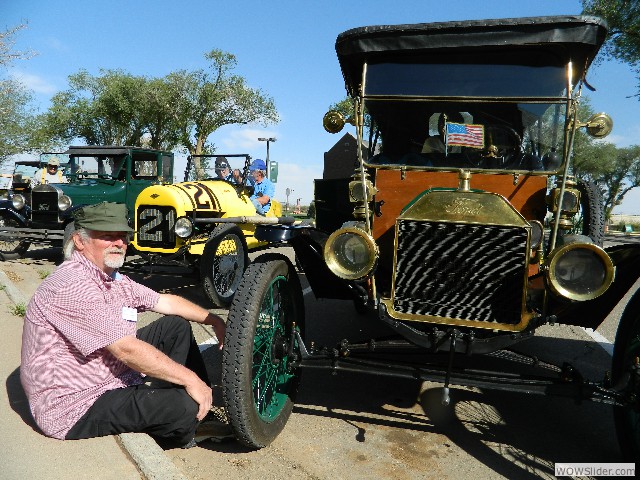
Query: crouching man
{"x":87,"y":369}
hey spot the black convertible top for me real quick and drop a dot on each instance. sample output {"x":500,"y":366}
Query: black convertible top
{"x":523,"y":41}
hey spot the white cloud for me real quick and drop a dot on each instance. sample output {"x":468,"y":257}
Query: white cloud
{"x":242,"y":140}
{"x":57,"y":44}
{"x":299,"y":179}
{"x":34,"y":82}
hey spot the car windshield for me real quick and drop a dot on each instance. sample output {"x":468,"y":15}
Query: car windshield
{"x":507,"y":117}
{"x":98,"y":166}
{"x":26,"y":170}
{"x":216,"y":167}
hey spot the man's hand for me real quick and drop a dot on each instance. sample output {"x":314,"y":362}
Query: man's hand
{"x":202,"y":395}
{"x":219,"y":327}
{"x":147,"y":359}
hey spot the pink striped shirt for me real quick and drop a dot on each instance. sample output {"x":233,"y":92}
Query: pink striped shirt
{"x":75,"y":313}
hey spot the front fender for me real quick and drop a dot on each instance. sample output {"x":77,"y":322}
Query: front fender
{"x":308,"y":243}
{"x":6,"y":209}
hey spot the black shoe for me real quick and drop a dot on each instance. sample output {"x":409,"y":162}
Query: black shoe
{"x":192,"y":443}
{"x":214,"y":426}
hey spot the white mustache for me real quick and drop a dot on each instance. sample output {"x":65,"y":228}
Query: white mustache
{"x":119,"y":251}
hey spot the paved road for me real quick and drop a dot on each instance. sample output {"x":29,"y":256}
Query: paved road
{"x":350,"y":426}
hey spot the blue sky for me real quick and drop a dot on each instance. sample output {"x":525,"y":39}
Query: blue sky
{"x":285,"y":48}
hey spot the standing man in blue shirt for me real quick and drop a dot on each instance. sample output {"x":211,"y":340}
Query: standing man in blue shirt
{"x":264,"y":189}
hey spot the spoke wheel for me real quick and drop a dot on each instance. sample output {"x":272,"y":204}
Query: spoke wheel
{"x":626,"y":359}
{"x":223,"y":262}
{"x":11,"y":249}
{"x":259,"y":377}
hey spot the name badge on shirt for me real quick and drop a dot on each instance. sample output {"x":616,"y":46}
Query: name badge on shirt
{"x":129,"y":314}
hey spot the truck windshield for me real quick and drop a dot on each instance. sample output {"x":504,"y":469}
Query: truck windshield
{"x":478,"y":116}
{"x":477,"y":135}
{"x":465,"y":80}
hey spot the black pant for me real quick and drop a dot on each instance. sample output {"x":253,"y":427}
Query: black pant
{"x":160,"y":409}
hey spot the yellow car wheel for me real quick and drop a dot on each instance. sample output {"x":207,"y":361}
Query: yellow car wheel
{"x":223,"y":262}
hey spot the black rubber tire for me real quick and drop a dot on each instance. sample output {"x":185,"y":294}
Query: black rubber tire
{"x":592,"y":211}
{"x":12,"y":250}
{"x":259,"y":323}
{"x":221,"y":274}
{"x":626,"y":349}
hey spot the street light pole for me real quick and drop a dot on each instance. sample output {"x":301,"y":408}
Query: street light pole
{"x":268,"y":140}
{"x":288,"y":192}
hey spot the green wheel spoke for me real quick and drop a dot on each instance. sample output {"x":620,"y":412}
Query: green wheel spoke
{"x":266,"y":390}
{"x":269,"y":375}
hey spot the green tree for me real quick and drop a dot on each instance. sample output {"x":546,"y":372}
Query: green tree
{"x":205,"y":100}
{"x":7,"y":41}
{"x":622,"y":176}
{"x":17,"y":120}
{"x":615,"y":170}
{"x":180,"y":110}
{"x":103,"y":110}
{"x":623,"y":38}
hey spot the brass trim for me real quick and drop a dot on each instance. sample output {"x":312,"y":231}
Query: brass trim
{"x":473,"y":207}
{"x":334,"y":264}
{"x":599,"y":125}
{"x":563,"y":292}
{"x":333,"y":121}
{"x":525,"y":318}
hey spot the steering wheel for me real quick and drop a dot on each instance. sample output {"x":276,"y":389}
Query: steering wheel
{"x":502,"y":148}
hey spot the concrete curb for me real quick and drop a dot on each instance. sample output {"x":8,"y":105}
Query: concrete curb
{"x":149,"y":457}
{"x":15,"y":295}
{"x":144,"y":452}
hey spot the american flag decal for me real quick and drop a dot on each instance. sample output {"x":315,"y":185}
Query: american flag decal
{"x":465,"y":135}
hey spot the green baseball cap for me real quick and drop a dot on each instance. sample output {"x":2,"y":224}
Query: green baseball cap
{"x":103,"y":217}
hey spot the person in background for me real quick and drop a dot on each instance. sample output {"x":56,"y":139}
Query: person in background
{"x":87,"y":369}
{"x":263,"y":188}
{"x":223,"y":171}
{"x":50,"y":174}
{"x":436,"y":144}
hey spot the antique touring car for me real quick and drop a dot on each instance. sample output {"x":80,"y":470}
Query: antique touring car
{"x":205,"y":224}
{"x":470,"y":127}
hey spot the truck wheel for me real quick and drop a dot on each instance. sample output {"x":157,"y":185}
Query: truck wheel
{"x":223,"y":262}
{"x":625,"y":367}
{"x":259,"y":377}
{"x":11,"y":249}
{"x":592,"y":212}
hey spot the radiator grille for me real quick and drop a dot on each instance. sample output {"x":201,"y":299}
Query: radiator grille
{"x":463,"y":271}
{"x":154,"y":225}
{"x":44,"y":207}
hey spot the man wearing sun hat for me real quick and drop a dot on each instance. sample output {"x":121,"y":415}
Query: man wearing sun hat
{"x":263,"y":188}
{"x":87,"y":369}
{"x":50,"y":174}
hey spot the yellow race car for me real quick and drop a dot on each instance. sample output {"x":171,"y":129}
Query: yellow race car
{"x":205,"y":224}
